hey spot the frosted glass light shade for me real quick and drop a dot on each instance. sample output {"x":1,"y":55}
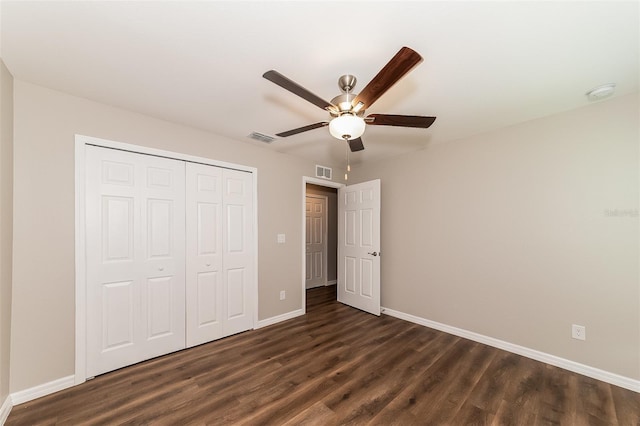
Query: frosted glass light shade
{"x":348,"y":126}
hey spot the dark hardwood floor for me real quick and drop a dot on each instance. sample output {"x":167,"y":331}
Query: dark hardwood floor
{"x":337,"y":365}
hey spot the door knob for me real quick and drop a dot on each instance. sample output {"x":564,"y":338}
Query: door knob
{"x":375,"y":253}
{"x":208,"y":264}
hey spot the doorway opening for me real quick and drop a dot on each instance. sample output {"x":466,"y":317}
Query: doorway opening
{"x":320,"y":235}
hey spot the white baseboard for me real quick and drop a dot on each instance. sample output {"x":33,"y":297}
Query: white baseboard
{"x":279,"y":318}
{"x":576,"y":367}
{"x":42,"y":390}
{"x":332,"y":282}
{"x":5,"y":410}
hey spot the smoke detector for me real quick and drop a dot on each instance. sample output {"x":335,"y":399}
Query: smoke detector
{"x":601,"y":92}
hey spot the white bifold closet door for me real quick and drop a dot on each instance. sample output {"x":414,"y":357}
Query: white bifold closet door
{"x":219,"y":252}
{"x":169,"y":256}
{"x":135,"y":258}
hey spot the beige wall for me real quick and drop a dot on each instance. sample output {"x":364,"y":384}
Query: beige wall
{"x":509,"y":234}
{"x":512,"y":234}
{"x":6,"y":223}
{"x":332,"y":227}
{"x":42,"y":346}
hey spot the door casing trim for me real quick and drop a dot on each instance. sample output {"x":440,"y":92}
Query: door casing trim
{"x":303,"y":275}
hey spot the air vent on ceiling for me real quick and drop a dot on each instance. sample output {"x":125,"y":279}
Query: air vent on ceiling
{"x":262,"y":137}
{"x":323,"y":172}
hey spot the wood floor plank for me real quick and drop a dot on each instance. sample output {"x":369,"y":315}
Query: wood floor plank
{"x":397,"y":410}
{"x":389,"y":331}
{"x":337,"y":366}
{"x":488,"y":393}
{"x":521,"y":402}
{"x":470,"y":414}
{"x":469,"y":375}
{"x":627,"y":406}
{"x":316,"y":415}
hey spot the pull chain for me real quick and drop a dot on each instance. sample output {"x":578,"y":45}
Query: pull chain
{"x":347,"y":140}
{"x":346,"y":174}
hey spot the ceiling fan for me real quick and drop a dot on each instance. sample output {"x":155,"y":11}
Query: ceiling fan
{"x":347,"y":111}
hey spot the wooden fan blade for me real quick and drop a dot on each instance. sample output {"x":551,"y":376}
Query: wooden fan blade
{"x":399,"y":120}
{"x":295,"y":88}
{"x":356,"y":144}
{"x":395,"y":69}
{"x":302,"y":129}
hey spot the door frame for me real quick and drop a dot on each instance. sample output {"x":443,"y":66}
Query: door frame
{"x":303,"y":242}
{"x":325,"y":231}
{"x":81,"y":142}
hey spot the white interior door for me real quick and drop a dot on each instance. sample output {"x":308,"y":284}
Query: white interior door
{"x":237,"y":247}
{"x":205,"y":278}
{"x":135,"y":258}
{"x":359,"y":246}
{"x":316,"y":240}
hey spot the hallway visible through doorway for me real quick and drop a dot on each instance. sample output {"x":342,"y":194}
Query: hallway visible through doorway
{"x":321,"y":236}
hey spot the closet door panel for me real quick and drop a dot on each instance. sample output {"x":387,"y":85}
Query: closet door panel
{"x":162,"y":240}
{"x":209,"y":287}
{"x":159,"y":293}
{"x":118,"y":312}
{"x":204,"y":254}
{"x":236,"y":299}
{"x":238,"y":237}
{"x":170,"y":252}
{"x":135,"y":258}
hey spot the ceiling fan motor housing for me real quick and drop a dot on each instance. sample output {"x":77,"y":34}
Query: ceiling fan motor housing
{"x":343,"y":102}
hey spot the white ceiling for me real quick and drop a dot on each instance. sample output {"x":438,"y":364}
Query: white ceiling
{"x":487,"y":64}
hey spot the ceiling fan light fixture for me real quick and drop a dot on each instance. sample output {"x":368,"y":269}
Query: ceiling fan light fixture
{"x":346,"y":126}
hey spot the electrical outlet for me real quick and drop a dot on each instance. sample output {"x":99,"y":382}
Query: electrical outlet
{"x":578,"y":332}
{"x":283,"y":295}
